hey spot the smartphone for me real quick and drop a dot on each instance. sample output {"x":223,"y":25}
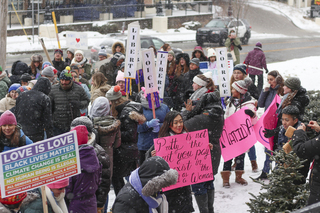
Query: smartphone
{"x":233,"y":34}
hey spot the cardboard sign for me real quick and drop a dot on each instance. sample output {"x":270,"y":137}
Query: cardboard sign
{"x":39,"y":164}
{"x":189,"y":154}
{"x":161,"y":70}
{"x":237,"y":136}
{"x":203,"y":65}
{"x":230,"y":67}
{"x":268,"y":120}
{"x":223,"y":70}
{"x":149,"y":71}
{"x":77,"y":40}
{"x":133,"y":44}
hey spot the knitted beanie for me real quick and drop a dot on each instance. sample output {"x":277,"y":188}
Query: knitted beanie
{"x":103,"y":52}
{"x":241,"y":67}
{"x":195,"y":61}
{"x":293,"y":83}
{"x":71,"y":50}
{"x":114,"y":93}
{"x":171,"y":53}
{"x":14,"y":87}
{"x":45,"y":64}
{"x":22,"y":89}
{"x":65,"y":75}
{"x":48,"y":71}
{"x":242,"y":85}
{"x":8,"y":118}
{"x":258,"y":44}
{"x":82,"y":120}
{"x":120,"y":76}
{"x":122,"y":65}
{"x":58,"y":51}
{"x":13,"y":199}
{"x":59,"y":184}
{"x":82,"y":134}
{"x":79,"y":51}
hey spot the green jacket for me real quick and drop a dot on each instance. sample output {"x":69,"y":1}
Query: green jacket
{"x":87,"y":71}
{"x":4,"y":84}
{"x":236,"y":43}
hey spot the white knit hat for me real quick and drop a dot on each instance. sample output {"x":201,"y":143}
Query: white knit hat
{"x":242,"y":85}
{"x":211,"y":52}
{"x":79,"y":51}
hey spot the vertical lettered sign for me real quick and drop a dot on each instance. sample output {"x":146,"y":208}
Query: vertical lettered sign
{"x":223,"y":70}
{"x":133,"y":44}
{"x":161,"y":70}
{"x":149,"y":71}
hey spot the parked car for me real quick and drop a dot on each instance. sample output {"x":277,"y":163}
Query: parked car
{"x":145,"y":41}
{"x":217,"y":30}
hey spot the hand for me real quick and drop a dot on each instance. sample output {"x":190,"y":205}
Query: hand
{"x":210,"y":146}
{"x":266,"y":89}
{"x":249,"y":112}
{"x":153,"y":123}
{"x":75,"y":104}
{"x":153,"y":153}
{"x":188,"y":105}
{"x":267,"y":71}
{"x":314,"y":125}
{"x":302,"y":126}
{"x":156,"y":129}
{"x":268,"y":133}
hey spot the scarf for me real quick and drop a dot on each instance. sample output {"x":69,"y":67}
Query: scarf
{"x":153,"y":203}
{"x":57,"y":203}
{"x":198,"y":93}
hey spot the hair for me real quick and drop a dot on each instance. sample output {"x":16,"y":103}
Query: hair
{"x":154,"y":50}
{"x":210,"y":85}
{"x":168,"y":121}
{"x":114,"y":104}
{"x":33,"y":67}
{"x":171,"y":67}
{"x":179,"y":68}
{"x":165,"y":47}
{"x":289,"y":99}
{"x":14,"y":141}
{"x":279,"y":81}
{"x":71,"y":54}
{"x":99,"y":79}
{"x":118,"y":45}
{"x":233,"y":80}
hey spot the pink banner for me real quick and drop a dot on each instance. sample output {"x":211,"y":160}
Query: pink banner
{"x":189,"y":154}
{"x":237,"y":136}
{"x":268,"y":120}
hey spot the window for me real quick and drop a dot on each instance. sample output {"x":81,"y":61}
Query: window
{"x":18,"y":5}
{"x":157,"y":43}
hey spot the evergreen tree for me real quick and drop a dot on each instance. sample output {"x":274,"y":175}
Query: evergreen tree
{"x":312,"y":111}
{"x":281,"y":195}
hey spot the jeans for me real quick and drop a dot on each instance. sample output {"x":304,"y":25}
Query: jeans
{"x":202,"y":188}
{"x":239,"y":161}
{"x":260,"y":81}
{"x":106,"y":205}
{"x":267,"y":162}
{"x":252,"y":153}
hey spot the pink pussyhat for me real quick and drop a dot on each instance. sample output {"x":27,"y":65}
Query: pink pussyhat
{"x":8,"y":118}
{"x":59,"y":184}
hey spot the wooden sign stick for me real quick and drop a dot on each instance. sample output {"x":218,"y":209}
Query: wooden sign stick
{"x":44,"y":199}
{"x":153,"y":108}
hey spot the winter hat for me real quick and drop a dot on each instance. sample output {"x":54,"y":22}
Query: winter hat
{"x":48,"y":71}
{"x":208,"y":74}
{"x":211,"y":52}
{"x":82,"y":134}
{"x":120,"y":76}
{"x":258,"y":44}
{"x":142,"y":98}
{"x":171,"y":53}
{"x":122,"y":65}
{"x":71,"y":50}
{"x":13,"y":199}
{"x":103,"y":52}
{"x":241,"y":67}
{"x":293,"y":83}
{"x":8,"y":118}
{"x":58,"y":51}
{"x":82,"y":120}
{"x":65,"y":75}
{"x":242,"y":85}
{"x":195,"y":61}
{"x":25,"y":77}
{"x":22,"y":89}
{"x":14,"y":87}
{"x":59,"y":184}
{"x":100,"y":107}
{"x":291,"y":110}
{"x":19,"y":68}
{"x":199,"y":81}
{"x":79,"y":51}
{"x":36,"y":58}
{"x":45,"y":64}
{"x":114,"y":93}
{"x":198,"y":48}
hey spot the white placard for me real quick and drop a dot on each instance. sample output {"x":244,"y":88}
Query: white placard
{"x":230,"y":66}
{"x":133,"y":44}
{"x":161,"y":70}
{"x":77,"y":40}
{"x":223,"y":70}
{"x":149,"y":71}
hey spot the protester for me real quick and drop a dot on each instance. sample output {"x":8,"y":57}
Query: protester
{"x":49,"y":72}
{"x":25,"y":78}
{"x":4,"y":83}
{"x":143,"y":191}
{"x":212,"y":58}
{"x":84,"y":64}
{"x":81,"y":192}
{"x":188,"y":77}
{"x":70,"y":56}
{"x":120,"y":81}
{"x":9,"y":100}
{"x":256,"y":62}
{"x":171,"y":66}
{"x":57,"y":62}
{"x":166,"y":47}
{"x":99,"y":87}
{"x":36,"y":66}
{"x":102,"y":54}
{"x":75,"y":67}
{"x":199,"y":54}
{"x":11,"y":135}
{"x":75,"y":79}
{"x":108,"y":69}
{"x":12,"y":203}
{"x":17,"y":70}
{"x":234,"y":46}
{"x":118,"y":47}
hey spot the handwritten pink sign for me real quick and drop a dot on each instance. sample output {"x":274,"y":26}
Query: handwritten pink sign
{"x":237,"y":135}
{"x":189,"y":154}
{"x":268,"y":120}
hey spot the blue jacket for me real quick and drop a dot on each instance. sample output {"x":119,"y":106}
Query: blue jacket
{"x":267,"y":97}
{"x":146,"y":136}
{"x":28,"y":141}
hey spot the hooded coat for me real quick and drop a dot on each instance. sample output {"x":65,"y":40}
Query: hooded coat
{"x":234,"y":44}
{"x":4,"y":84}
{"x":33,"y":110}
{"x":7,"y":103}
{"x":113,"y":48}
{"x":257,"y":59}
{"x":99,"y":92}
{"x":18,"y":68}
{"x":34,"y":203}
{"x":81,"y":192}
{"x":108,"y":70}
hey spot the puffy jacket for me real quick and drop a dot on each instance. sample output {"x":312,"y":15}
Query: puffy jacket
{"x":267,"y":97}
{"x":62,"y":111}
{"x":34,"y":111}
{"x":34,"y":204}
{"x":59,"y":65}
{"x":4,"y":84}
{"x":5,"y":143}
{"x":7,"y":103}
{"x":257,"y":59}
{"x":18,"y":68}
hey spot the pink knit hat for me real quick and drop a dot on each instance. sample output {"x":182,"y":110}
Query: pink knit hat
{"x":82,"y":134}
{"x":8,"y":118}
{"x":59,"y":184}
{"x":120,"y":76}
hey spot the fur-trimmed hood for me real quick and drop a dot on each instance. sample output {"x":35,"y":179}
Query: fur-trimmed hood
{"x":123,"y":51}
{"x":105,"y":88}
{"x":137,"y":117}
{"x":106,"y":125}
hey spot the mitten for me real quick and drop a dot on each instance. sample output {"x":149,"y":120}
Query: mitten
{"x":268,"y":133}
{"x":152,"y":123}
{"x":156,"y":129}
{"x":249,"y":112}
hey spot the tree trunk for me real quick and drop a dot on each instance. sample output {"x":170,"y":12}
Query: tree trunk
{"x":3,"y":32}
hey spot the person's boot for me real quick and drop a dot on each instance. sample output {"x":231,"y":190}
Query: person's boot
{"x":254,"y":166}
{"x":202,"y":202}
{"x":210,"y":200}
{"x":239,"y":178}
{"x":263,"y":176}
{"x":225,"y":177}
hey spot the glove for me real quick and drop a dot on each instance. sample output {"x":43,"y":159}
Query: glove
{"x":156,"y":129}
{"x":240,"y":48}
{"x":75,"y":104}
{"x":268,"y":133}
{"x":152,"y":123}
{"x":249,"y":112}
{"x":267,"y":71}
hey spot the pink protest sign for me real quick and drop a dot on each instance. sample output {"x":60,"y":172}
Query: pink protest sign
{"x":268,"y":120}
{"x":189,"y":154}
{"x":237,"y":135}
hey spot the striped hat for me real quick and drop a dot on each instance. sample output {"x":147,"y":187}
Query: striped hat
{"x":242,"y":85}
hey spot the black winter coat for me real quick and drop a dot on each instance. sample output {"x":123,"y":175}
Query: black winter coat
{"x":18,"y":68}
{"x":62,"y":111}
{"x":59,"y":65}
{"x":188,"y":80}
{"x":33,"y":109}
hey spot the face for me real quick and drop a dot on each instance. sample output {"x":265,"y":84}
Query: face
{"x":196,"y":86}
{"x":177,"y":125}
{"x":8,"y":129}
{"x":238,"y":75}
{"x":64,"y":83}
{"x":170,"y":57}
{"x":193,"y":66}
{"x":182,"y":62}
{"x":69,"y":55}
{"x":122,"y":85}
{"x":13,"y":94}
{"x":272,"y":81}
{"x":235,"y":93}
{"x":197,"y":54}
{"x":57,"y":56}
{"x":79,"y":57}
{"x":93,"y":82}
{"x":212,"y":59}
{"x":102,"y":57}
{"x":118,"y":49}
{"x":57,"y":192}
{"x":37,"y":63}
{"x":287,"y":120}
{"x":286,"y":90}
{"x":119,"y":62}
{"x":75,"y":77}
{"x":169,"y":48}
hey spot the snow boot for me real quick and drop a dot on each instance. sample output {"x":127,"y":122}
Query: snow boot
{"x":263,"y":176}
{"x":202,"y":202}
{"x":210,"y":200}
{"x":225,"y":177}
{"x":254,"y":166}
{"x":239,"y":178}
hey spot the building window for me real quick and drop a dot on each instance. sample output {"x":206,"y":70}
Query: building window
{"x":18,"y":4}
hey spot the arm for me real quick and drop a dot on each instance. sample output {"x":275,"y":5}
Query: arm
{"x":303,"y":147}
{"x":263,"y":62}
{"x":47,"y":115}
{"x":84,"y":100}
{"x":236,"y":42}
{"x":143,"y":127}
{"x":227,"y":43}
{"x":262,"y":98}
{"x":87,"y":70}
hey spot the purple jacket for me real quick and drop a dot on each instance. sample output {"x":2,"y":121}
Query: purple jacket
{"x":81,"y":191}
{"x":256,"y":58}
